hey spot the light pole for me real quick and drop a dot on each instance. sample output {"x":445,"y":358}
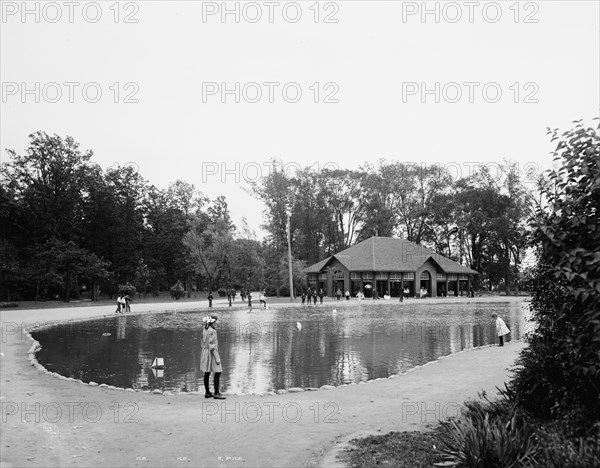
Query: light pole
{"x":289,"y":242}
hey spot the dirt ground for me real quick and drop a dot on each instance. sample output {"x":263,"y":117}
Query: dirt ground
{"x":49,"y":421}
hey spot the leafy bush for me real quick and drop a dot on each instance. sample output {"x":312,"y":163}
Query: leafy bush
{"x":222,"y":292}
{"x":559,"y":376}
{"x":270,"y":291}
{"x":177,"y":290}
{"x":284,"y":291}
{"x":128,"y":289}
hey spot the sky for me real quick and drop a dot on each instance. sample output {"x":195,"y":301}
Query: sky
{"x":210,"y":92}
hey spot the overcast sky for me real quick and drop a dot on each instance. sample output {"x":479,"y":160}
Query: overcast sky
{"x":460,"y":84}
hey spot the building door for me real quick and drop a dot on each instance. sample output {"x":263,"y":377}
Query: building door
{"x":426,"y":282}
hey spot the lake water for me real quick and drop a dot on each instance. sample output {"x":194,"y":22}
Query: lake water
{"x":266,"y":350}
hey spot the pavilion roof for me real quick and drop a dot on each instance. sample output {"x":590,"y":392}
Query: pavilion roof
{"x":389,"y":254}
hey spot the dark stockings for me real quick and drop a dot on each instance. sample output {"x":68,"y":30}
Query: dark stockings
{"x":216,"y":382}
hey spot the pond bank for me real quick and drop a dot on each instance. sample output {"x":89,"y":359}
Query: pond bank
{"x":53,"y":422}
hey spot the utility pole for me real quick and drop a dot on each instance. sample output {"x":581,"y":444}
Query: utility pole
{"x":289,"y":240}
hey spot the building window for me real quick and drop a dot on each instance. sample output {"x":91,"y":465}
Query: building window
{"x":395,"y":276}
{"x":451,"y":277}
{"x":382,"y":276}
{"x":355,"y":276}
{"x":408,"y":276}
{"x":312,"y":277}
{"x":339,"y":276}
{"x":441,"y":277}
{"x":367,"y":276}
{"x":323,"y":277}
{"x":424,"y":276}
{"x":463,"y":277}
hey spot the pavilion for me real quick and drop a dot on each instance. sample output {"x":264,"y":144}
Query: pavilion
{"x":389,"y":264}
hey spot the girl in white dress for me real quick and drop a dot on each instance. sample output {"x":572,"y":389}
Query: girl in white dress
{"x":501,"y":329}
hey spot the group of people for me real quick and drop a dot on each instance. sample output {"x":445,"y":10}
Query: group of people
{"x":123,"y":301}
{"x":338,"y":294}
{"x":311,"y":294}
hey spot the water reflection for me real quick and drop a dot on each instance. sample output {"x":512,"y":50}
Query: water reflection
{"x":265,"y":350}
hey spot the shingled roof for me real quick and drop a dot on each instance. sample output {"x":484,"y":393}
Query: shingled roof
{"x":389,"y":254}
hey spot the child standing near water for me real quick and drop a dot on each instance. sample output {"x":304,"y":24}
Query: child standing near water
{"x":501,"y":329}
{"x":210,"y":361}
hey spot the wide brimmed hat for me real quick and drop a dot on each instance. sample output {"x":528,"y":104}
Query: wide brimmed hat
{"x":210,"y":318}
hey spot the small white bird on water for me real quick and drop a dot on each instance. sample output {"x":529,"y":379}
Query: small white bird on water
{"x":298,"y":325}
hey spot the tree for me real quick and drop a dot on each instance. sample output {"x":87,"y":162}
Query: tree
{"x":209,"y":249}
{"x":49,"y":183}
{"x":342,"y":194}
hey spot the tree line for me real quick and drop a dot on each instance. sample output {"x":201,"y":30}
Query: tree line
{"x":69,"y":226}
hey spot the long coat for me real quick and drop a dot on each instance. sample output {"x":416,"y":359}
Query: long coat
{"x":501,"y":328}
{"x":209,"y":351}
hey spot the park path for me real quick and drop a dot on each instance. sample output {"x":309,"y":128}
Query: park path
{"x":48,"y":421}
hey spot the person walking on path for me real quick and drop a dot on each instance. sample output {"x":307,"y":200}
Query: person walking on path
{"x":127,"y":300}
{"x":501,"y":329}
{"x":249,"y":299}
{"x":347,"y":295}
{"x":303,"y":297}
{"x":314,"y":296}
{"x":338,"y":294}
{"x":120,"y":304}
{"x":210,"y":361}
{"x":321,"y":294}
{"x":263,"y":300}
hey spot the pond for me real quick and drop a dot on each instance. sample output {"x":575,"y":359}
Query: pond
{"x":272,"y":349}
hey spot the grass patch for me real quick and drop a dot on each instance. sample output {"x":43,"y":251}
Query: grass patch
{"x":487,"y":434}
{"x":396,"y":449}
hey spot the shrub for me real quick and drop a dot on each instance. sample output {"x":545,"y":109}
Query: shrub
{"x":480,"y":442}
{"x":222,"y":292}
{"x":559,"y":376}
{"x":554,"y":451}
{"x":177,"y":290}
{"x":270,"y":291}
{"x":284,"y":291}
